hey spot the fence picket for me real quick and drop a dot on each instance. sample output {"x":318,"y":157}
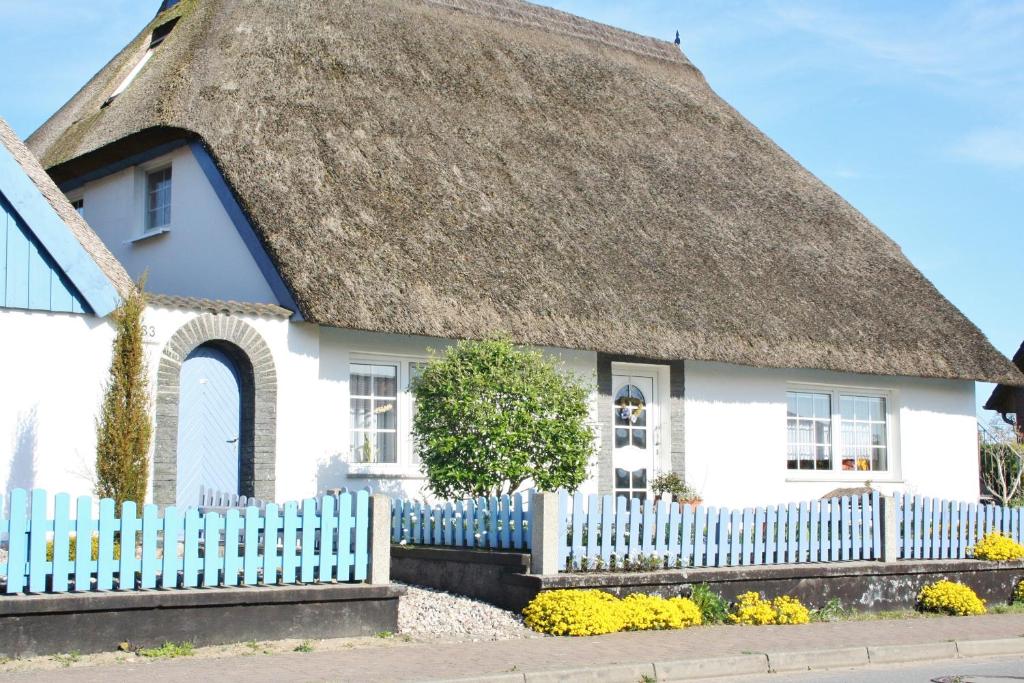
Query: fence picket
{"x":748,"y":537}
{"x":687,"y":543}
{"x":232,"y":538}
{"x":635,"y":549}
{"x":343,"y":533}
{"x":674,"y":523}
{"x":517,"y":521}
{"x":39,"y":528}
{"x":769,"y":535}
{"x":310,"y":526}
{"x":735,"y":537}
{"x":804,"y":548}
{"x":607,"y":533}
{"x":593,"y":525}
{"x":61,"y":571}
{"x":17,"y":542}
{"x":647,"y":528}
{"x":792,"y":521}
{"x":151,"y":526}
{"x":362,"y":522}
{"x":844,"y":527}
{"x":660,"y":528}
{"x":759,"y":527}
{"x":723,"y":538}
{"x":711,"y":544}
{"x":781,"y":531}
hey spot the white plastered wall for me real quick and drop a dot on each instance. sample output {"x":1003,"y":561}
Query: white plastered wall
{"x":736,"y":436}
{"x":54,"y":367}
{"x":201,"y":254}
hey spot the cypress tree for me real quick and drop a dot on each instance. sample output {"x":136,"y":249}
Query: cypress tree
{"x":123,"y":429}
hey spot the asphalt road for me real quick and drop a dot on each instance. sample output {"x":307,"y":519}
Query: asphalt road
{"x":980,"y":670}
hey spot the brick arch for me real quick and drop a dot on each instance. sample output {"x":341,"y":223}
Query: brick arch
{"x":258,"y":380}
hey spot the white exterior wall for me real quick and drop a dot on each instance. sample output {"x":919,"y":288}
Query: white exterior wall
{"x":736,"y":436}
{"x":54,"y":367}
{"x":201,"y":254}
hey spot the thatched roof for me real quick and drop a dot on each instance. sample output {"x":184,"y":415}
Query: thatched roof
{"x":90,"y":241}
{"x":1002,"y":398}
{"x":455,"y":168}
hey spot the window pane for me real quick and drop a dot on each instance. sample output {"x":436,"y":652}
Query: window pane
{"x":822,"y":405}
{"x":359,"y":380}
{"x":362,"y":446}
{"x":640,"y":438}
{"x":362,"y":416}
{"x":791,"y":458}
{"x":879,"y":461}
{"x":878,"y":434}
{"x":621,"y":478}
{"x":877,"y":409}
{"x":385,"y":379}
{"x":846,"y":407}
{"x":640,"y":479}
{"x":804,"y":405}
{"x":386,"y":414}
{"x":387,"y":447}
{"x":790,"y":404}
{"x":621,"y":437}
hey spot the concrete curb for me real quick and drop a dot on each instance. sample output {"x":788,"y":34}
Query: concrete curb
{"x":764,"y":663}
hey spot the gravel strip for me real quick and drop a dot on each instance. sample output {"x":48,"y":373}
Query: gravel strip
{"x":428,"y":612}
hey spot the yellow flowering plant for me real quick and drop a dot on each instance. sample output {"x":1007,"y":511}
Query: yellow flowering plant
{"x":575,"y":613}
{"x":1018,"y":593}
{"x":949,"y":597}
{"x":750,"y":608}
{"x":789,"y":610}
{"x":998,"y":548}
{"x":593,"y":612}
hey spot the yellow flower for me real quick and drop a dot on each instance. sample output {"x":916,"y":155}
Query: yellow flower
{"x":998,"y":548}
{"x":948,"y":597}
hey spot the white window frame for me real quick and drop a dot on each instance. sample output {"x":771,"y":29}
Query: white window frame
{"x":406,"y":463}
{"x":892,"y":473}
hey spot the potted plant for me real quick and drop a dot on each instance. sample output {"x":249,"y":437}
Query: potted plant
{"x":671,"y":484}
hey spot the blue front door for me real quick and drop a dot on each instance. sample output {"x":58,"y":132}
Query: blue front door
{"x":208,"y":425}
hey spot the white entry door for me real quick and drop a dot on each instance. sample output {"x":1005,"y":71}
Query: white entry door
{"x":633,"y":447}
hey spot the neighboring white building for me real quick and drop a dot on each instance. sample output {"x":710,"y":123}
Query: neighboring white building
{"x":311,"y":232}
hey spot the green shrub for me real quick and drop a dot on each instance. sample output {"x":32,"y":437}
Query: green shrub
{"x":714,"y":609}
{"x":490,"y":416}
{"x":123,"y":428}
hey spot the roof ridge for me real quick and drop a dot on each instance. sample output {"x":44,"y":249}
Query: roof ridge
{"x":563,"y":23}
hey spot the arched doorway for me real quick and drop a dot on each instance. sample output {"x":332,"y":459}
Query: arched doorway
{"x":229,"y":353}
{"x":209,"y":424}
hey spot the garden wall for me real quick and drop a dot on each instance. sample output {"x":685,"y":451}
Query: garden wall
{"x":96,"y":622}
{"x":502,"y":579}
{"x":480,"y":574}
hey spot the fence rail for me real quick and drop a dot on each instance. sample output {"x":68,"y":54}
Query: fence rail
{"x":594,"y":529}
{"x":495,"y":522}
{"x":933,"y":529}
{"x":290,"y":543}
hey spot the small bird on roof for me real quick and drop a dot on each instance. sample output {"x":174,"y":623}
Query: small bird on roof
{"x":677,"y":38}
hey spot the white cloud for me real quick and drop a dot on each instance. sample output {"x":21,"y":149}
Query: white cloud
{"x":1003,"y":147}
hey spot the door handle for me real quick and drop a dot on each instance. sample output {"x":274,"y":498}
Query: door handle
{"x":234,"y":440}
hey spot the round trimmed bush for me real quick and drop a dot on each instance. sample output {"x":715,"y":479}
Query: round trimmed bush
{"x":998,"y":548}
{"x":575,"y":613}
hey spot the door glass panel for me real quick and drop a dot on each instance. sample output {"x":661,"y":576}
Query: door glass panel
{"x":621,"y":478}
{"x":640,"y":479}
{"x":640,"y":438}
{"x":621,"y":438}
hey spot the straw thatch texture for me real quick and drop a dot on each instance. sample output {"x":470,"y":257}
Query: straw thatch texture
{"x":1006,"y":398}
{"x":89,"y":240}
{"x":458,"y":167}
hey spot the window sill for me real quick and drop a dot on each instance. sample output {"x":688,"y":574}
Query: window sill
{"x":147,"y":235}
{"x":383,"y":471}
{"x":859,"y":477}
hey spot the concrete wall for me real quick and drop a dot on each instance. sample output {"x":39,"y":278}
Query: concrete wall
{"x":736,"y":436}
{"x":200,"y":255}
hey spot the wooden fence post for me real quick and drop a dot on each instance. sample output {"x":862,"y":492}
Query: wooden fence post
{"x":544,"y":533}
{"x":380,"y":539}
{"x":890,"y":529}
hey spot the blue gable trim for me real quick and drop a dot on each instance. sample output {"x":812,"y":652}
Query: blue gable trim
{"x":244,"y":227}
{"x":167,"y":4}
{"x":120,"y":165}
{"x":54,"y":237}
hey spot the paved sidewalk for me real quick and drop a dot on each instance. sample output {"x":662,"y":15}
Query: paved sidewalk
{"x":393,"y":660}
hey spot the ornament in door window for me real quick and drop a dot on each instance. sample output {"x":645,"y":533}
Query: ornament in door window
{"x":630,"y":407}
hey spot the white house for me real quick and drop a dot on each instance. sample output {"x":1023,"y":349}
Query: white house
{"x":323,"y":192}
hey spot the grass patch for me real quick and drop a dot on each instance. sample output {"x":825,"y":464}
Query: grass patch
{"x":167,"y":651}
{"x":66,"y":660}
{"x":1012,"y":608}
{"x":384,"y":634}
{"x":304,"y":646}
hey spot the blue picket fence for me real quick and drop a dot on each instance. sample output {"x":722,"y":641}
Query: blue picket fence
{"x":594,"y":529}
{"x":934,"y":529}
{"x":496,"y":522}
{"x":312,"y":541}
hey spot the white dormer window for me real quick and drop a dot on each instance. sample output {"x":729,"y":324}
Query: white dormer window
{"x":158,"y":199}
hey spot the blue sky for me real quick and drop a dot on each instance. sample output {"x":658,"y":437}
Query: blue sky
{"x":913,"y":111}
